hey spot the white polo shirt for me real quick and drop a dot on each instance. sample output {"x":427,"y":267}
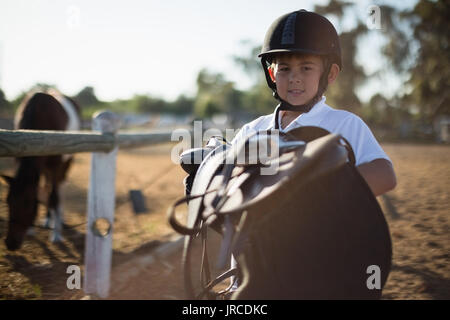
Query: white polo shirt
{"x":349,"y":125}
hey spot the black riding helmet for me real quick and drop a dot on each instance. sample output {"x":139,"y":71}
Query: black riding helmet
{"x":304,"y":32}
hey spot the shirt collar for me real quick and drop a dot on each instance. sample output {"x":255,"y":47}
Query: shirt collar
{"x":315,"y":110}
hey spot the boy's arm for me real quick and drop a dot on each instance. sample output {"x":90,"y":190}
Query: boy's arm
{"x":379,"y":175}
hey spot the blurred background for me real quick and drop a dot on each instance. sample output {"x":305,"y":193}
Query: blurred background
{"x":168,"y":63}
{"x":164,"y":64}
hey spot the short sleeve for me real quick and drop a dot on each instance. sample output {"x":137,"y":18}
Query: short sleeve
{"x":241,"y":133}
{"x":261,"y":123}
{"x":362,"y":140}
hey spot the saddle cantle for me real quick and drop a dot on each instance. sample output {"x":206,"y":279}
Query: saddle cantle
{"x":309,"y":230}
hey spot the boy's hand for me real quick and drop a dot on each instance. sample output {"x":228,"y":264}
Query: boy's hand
{"x":379,"y":175}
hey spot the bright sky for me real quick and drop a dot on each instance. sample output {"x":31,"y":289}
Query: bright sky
{"x":122,"y":48}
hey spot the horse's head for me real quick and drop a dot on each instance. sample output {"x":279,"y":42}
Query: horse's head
{"x":22,"y":205}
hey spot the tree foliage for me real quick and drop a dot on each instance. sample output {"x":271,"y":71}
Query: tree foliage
{"x":430,"y":75}
{"x":6,"y":109}
{"x":86,"y":97}
{"x":216,"y":95}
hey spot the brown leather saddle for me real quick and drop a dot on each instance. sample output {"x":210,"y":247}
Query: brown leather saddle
{"x":309,"y":229}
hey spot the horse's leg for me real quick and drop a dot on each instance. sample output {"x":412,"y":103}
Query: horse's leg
{"x":59,"y":174}
{"x":56,"y":214}
{"x":31,"y":232}
{"x":48,"y":219}
{"x":48,"y":223}
{"x":55,"y":173}
{"x":56,"y":211}
{"x":67,"y":161}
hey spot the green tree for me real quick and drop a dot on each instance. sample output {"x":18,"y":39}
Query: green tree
{"x":182,"y":105}
{"x":418,"y":50}
{"x":430,"y":74}
{"x":6,"y":108}
{"x":86,"y":97}
{"x":40,"y":86}
{"x":144,"y":103}
{"x":257,"y":100}
{"x":342,"y":94}
{"x":250,"y":63}
{"x":215,"y":95}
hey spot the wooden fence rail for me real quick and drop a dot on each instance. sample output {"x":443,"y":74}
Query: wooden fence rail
{"x":25,"y":143}
{"x":103,"y":142}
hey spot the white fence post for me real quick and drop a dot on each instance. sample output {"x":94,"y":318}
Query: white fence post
{"x":101,"y":203}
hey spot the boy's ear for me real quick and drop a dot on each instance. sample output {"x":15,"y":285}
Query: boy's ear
{"x":272,"y":76}
{"x":334,"y":71}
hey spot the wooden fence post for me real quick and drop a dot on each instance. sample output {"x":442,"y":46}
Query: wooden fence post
{"x":101,"y":204}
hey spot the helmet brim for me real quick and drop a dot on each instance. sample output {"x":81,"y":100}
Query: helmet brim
{"x":270,"y":52}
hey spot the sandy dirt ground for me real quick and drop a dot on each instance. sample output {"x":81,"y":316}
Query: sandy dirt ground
{"x":417,"y":211}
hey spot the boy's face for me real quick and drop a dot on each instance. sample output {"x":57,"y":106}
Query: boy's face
{"x":297,"y":77}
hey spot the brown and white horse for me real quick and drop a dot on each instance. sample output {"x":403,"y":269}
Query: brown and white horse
{"x":39,"y":111}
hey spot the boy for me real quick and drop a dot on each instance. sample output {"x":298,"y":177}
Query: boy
{"x":301,"y":56}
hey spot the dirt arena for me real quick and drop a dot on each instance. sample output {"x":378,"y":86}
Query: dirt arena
{"x":418,"y":213}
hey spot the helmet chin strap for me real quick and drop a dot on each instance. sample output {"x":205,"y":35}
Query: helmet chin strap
{"x":284,"y":105}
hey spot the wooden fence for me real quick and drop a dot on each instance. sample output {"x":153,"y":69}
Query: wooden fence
{"x":103,"y":142}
